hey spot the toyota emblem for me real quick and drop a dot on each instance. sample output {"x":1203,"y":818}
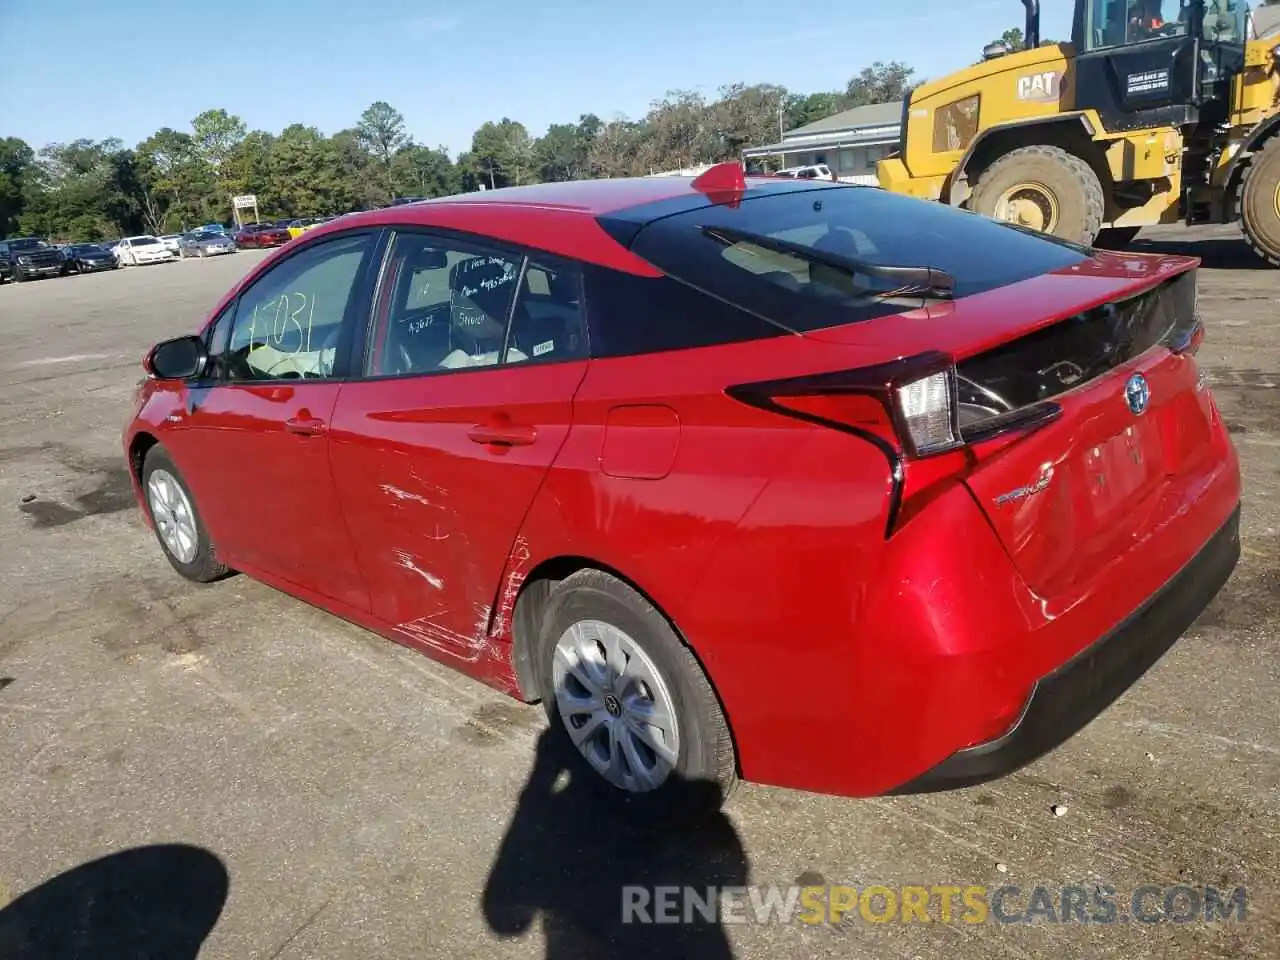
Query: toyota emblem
{"x":1137,"y":394}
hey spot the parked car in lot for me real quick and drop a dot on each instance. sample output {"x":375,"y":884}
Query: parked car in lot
{"x":170,"y":241}
{"x":813,"y":171}
{"x":89,"y":258}
{"x":784,"y":480}
{"x":135,"y":251}
{"x":199,"y":243}
{"x":260,"y":235}
{"x":300,"y":226}
{"x":29,"y":258}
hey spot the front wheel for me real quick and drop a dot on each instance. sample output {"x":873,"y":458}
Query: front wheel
{"x":176,"y":520}
{"x":1045,"y":189}
{"x":645,"y":725}
{"x":1259,"y":203}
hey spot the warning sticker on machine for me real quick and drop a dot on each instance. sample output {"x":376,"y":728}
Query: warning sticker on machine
{"x":1147,"y":81}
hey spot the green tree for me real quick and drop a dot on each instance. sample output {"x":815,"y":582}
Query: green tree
{"x":746,"y":116}
{"x":175,"y":183}
{"x":878,"y":83}
{"x":503,"y":154}
{"x":381,"y":132}
{"x":419,"y":171}
{"x":16,"y":162}
{"x":803,"y":108}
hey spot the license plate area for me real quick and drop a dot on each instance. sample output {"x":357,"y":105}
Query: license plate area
{"x":1120,"y":472}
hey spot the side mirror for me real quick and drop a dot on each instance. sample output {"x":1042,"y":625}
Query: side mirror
{"x":182,"y":358}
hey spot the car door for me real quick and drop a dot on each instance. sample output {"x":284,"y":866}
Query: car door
{"x":254,"y":438}
{"x":439,"y":450}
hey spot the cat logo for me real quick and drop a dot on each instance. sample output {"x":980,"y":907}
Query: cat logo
{"x":1039,"y":87}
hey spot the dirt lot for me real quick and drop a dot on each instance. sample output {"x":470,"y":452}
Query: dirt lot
{"x":340,"y":797}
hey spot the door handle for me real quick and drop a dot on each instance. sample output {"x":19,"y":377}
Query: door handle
{"x":503,"y":434}
{"x":304,"y":426}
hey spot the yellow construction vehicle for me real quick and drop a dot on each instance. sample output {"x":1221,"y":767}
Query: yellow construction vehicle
{"x":1138,"y":120}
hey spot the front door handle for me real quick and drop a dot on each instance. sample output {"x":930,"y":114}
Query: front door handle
{"x":503,"y":434}
{"x":304,"y":426}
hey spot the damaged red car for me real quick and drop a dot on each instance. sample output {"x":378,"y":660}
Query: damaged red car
{"x":794,"y":482}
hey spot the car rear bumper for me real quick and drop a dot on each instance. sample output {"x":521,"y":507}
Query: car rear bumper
{"x":853,"y":665}
{"x":1066,"y":700}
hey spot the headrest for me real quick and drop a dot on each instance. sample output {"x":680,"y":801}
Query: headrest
{"x":482,"y":289}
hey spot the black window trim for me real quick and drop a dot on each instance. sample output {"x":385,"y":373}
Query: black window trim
{"x":355,"y":299}
{"x":485,"y":244}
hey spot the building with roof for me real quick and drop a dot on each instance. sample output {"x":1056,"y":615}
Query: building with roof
{"x":1266,"y":20}
{"x":849,"y":143}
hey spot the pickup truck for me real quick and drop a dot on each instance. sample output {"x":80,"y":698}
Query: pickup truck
{"x":25,"y":258}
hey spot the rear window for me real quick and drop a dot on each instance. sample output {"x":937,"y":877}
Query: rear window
{"x":853,"y":223}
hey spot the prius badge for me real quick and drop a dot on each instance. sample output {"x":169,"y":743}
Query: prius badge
{"x":1030,"y":490}
{"x":1137,"y":394}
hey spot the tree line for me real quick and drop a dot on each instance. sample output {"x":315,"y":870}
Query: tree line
{"x":178,"y":179}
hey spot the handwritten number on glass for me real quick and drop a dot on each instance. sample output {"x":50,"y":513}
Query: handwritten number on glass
{"x":283,"y":320}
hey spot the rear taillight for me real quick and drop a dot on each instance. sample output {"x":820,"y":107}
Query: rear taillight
{"x":909,"y":409}
{"x":910,"y":404}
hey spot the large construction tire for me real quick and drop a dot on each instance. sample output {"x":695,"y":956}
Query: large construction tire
{"x":1259,"y":203}
{"x":1044,"y":188}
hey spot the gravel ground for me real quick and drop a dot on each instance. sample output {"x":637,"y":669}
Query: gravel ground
{"x":274,"y":782}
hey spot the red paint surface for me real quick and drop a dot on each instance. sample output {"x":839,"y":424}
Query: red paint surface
{"x":846,"y":661}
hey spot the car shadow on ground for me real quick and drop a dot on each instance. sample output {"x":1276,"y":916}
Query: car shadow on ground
{"x":1216,"y":253}
{"x":567,"y":860}
{"x":157,"y":901}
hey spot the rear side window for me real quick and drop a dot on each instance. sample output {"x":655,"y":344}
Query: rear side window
{"x":852,"y":223}
{"x":629,"y":314}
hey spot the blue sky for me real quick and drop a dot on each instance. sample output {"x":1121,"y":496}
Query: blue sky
{"x":128,"y":67}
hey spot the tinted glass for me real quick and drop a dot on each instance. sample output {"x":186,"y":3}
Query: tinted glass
{"x":854,"y":224}
{"x":288,"y":324}
{"x":143,"y":241}
{"x":630,"y":315}
{"x":26,"y":244}
{"x":441,"y":305}
{"x":547,"y":323}
{"x":1113,"y":23}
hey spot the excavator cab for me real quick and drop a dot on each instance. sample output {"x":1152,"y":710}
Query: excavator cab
{"x":1155,"y":63}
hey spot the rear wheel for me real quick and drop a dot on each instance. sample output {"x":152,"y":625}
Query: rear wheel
{"x":1043,"y":188}
{"x":1259,"y":204}
{"x":645,"y":726}
{"x":176,"y":520}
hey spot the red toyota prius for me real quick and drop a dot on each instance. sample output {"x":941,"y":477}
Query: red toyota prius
{"x":794,"y":482}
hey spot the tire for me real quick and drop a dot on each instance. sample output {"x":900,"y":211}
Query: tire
{"x":704,"y":772}
{"x":1258,"y":201}
{"x":1116,"y":238}
{"x":1050,"y":172}
{"x":201,"y":565}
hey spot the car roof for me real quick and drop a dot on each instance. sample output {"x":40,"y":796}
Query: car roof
{"x":562,"y":218}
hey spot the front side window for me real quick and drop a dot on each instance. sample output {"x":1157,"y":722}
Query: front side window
{"x":442,"y":304}
{"x":288,"y":324}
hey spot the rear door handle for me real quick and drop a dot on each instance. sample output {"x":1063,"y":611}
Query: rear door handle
{"x":505,"y":434}
{"x":304,"y":426}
